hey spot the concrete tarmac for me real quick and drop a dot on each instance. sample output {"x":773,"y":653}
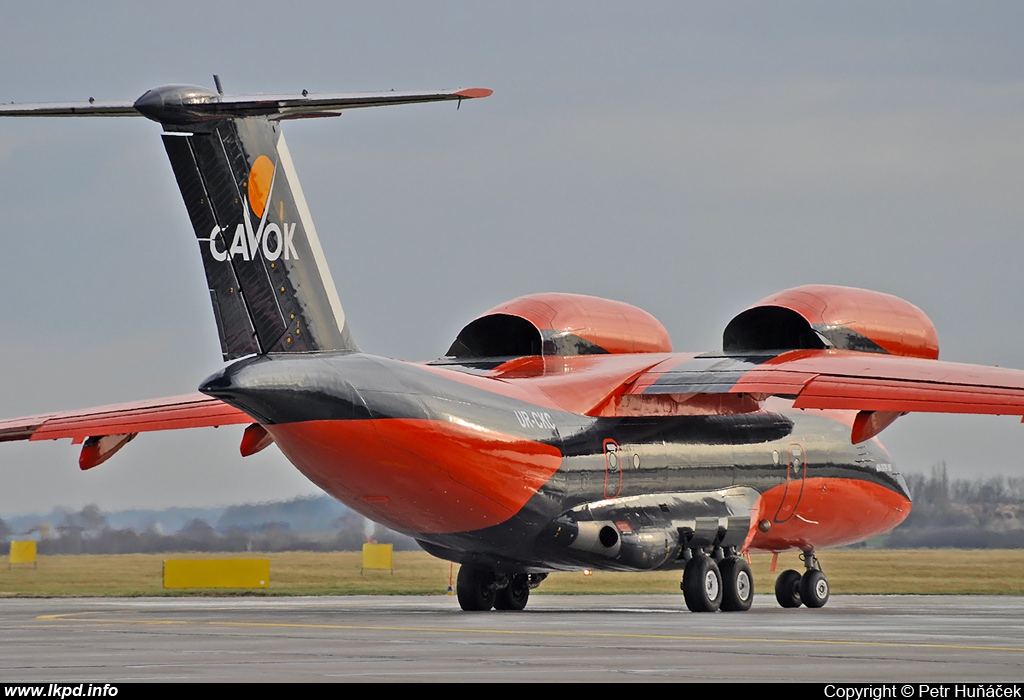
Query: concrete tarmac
{"x":917,"y":639}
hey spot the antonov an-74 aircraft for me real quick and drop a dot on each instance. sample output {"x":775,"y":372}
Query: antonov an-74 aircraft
{"x":559,"y":432}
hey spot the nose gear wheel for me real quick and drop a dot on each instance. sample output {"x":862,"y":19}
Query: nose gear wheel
{"x":811,"y":589}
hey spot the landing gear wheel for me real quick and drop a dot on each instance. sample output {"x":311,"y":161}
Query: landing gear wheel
{"x":787,"y":589}
{"x":475,"y":588}
{"x":702,"y":584}
{"x":514,"y":595}
{"x":814,"y":588}
{"x":737,"y":584}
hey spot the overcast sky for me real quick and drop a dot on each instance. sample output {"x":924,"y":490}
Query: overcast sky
{"x":689,"y":158}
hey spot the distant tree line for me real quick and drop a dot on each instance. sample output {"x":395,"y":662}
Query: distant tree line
{"x":88,"y":532}
{"x":983,"y":513}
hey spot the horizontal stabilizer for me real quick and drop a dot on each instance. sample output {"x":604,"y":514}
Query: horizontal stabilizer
{"x":188,"y":103}
{"x":92,"y":108}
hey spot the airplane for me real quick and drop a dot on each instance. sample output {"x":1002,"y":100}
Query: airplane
{"x":559,"y":432}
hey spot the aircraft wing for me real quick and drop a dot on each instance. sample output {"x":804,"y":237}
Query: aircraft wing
{"x":844,"y":380}
{"x":106,"y":429}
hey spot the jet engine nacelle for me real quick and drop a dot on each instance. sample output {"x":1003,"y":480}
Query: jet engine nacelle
{"x":560,"y":324}
{"x":826,"y":316}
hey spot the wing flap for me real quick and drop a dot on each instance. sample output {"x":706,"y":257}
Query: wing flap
{"x":908,"y":396}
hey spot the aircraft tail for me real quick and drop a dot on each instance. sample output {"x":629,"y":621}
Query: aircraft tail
{"x":269,"y":284}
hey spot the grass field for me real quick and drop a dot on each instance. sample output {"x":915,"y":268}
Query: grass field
{"x":417,"y":573}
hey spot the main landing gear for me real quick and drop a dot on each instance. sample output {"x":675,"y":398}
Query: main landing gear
{"x":811,"y":589}
{"x":721,"y":581}
{"x":481,"y":589}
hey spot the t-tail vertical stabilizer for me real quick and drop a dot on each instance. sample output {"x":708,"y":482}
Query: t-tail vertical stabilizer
{"x":269,"y":283}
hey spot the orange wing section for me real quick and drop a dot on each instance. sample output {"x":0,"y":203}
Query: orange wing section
{"x":169,"y":413}
{"x":839,"y":379}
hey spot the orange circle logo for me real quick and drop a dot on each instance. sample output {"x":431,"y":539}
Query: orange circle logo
{"x":260,"y":178}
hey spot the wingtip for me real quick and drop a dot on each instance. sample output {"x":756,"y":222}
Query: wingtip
{"x":470,"y":93}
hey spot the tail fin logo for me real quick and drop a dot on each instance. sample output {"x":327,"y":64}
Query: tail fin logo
{"x":261,"y":180}
{"x":270,"y":239}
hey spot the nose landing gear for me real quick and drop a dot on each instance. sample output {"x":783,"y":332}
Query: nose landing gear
{"x":811,"y":589}
{"x":787,"y":589}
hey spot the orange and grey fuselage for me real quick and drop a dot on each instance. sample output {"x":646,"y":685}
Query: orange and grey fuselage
{"x":493,"y":472}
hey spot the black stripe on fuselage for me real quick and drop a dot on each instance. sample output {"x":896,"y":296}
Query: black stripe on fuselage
{"x":296,"y":388}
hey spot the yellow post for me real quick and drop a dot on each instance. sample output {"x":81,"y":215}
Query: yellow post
{"x":377,"y":556}
{"x":217,"y":573}
{"x":23,"y":552}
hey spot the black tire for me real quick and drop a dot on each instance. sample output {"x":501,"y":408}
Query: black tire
{"x":814,"y":588}
{"x":787,"y":589}
{"x":514,"y":595}
{"x":475,"y":588}
{"x":702,"y":584}
{"x":737,"y":584}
